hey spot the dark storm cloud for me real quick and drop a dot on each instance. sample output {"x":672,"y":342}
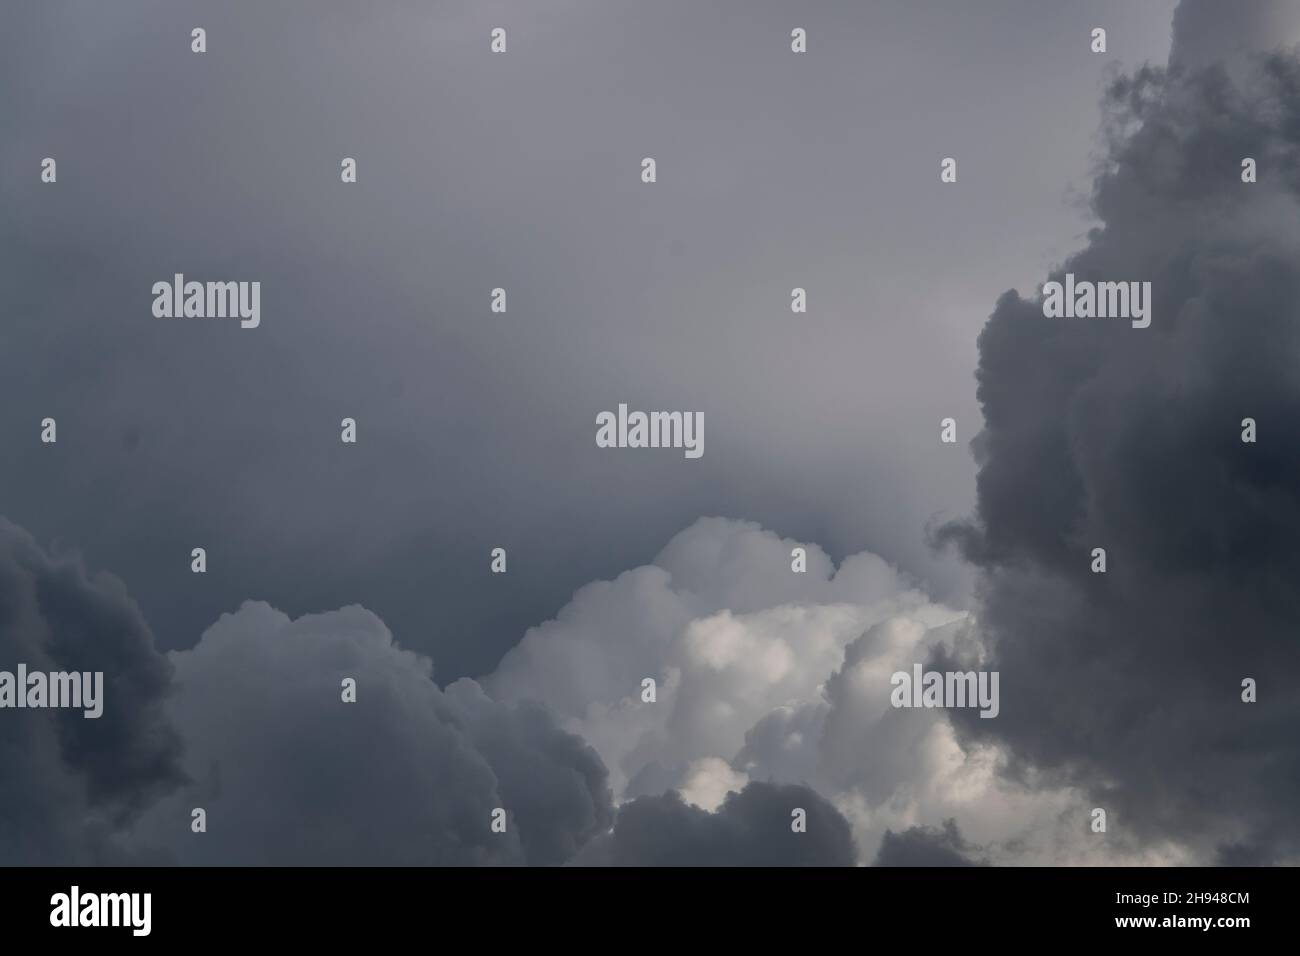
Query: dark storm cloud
{"x":1096,"y":434}
{"x":925,"y":846}
{"x":752,"y":827}
{"x":553,"y":783}
{"x":288,"y":773}
{"x":250,"y":726}
{"x":69,"y":784}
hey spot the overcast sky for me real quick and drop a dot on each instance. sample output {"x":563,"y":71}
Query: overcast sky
{"x":476,"y":430}
{"x":519,"y":171}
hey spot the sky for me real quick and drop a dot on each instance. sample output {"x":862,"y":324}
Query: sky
{"x":476,"y":431}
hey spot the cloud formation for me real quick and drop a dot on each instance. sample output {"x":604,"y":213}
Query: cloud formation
{"x":1128,"y":684}
{"x":410,"y":774}
{"x":727,"y":630}
{"x":925,"y":846}
{"x":767,"y":675}
{"x":70,"y":784}
{"x":773,"y":694}
{"x":1119,"y":690}
{"x":250,"y":726}
{"x":752,"y":827}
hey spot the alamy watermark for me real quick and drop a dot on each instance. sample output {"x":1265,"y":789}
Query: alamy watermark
{"x":72,"y":689}
{"x":208,"y":300}
{"x":1099,"y":300}
{"x":76,"y":908}
{"x":946,"y":689}
{"x":626,"y":429}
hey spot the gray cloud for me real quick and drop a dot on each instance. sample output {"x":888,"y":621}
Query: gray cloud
{"x":1127,"y":684}
{"x":71,"y":784}
{"x":553,"y":783}
{"x":925,"y":846}
{"x":752,"y":827}
{"x":408,"y":774}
